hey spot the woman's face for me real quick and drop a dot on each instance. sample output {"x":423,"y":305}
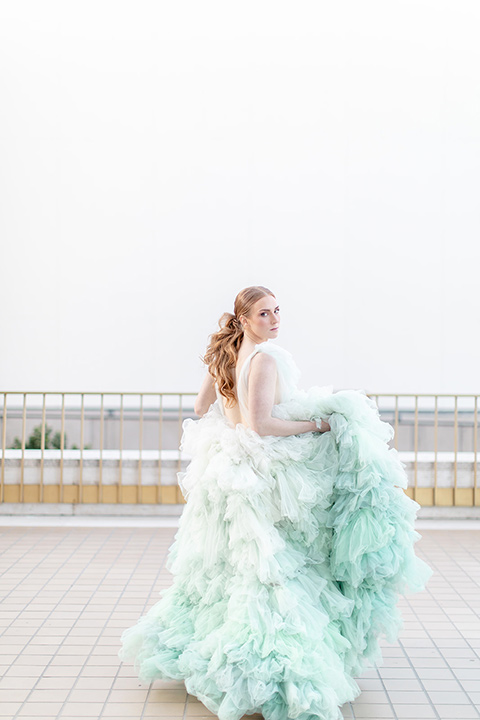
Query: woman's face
{"x":263,"y":319}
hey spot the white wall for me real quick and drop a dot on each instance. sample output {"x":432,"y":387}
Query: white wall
{"x":158,"y":156}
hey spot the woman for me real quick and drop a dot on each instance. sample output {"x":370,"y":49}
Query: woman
{"x":295,"y":541}
{"x":256,"y":320}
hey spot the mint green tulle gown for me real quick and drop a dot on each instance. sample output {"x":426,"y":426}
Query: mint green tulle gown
{"x":289,"y":559}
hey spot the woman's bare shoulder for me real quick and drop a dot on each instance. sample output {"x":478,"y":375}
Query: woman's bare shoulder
{"x":262,"y":363}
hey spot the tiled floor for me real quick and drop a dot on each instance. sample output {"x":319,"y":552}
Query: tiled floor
{"x":69,"y":591}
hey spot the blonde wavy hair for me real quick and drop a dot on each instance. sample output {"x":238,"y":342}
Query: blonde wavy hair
{"x":222,"y":351}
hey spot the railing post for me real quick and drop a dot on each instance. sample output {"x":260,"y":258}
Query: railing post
{"x":100,"y":461}
{"x":415,"y":489}
{"x":119,"y":489}
{"x":42,"y":447}
{"x":160,"y":441}
{"x":24,"y":432}
{"x":435,"y":435}
{"x":140,"y":448}
{"x":455,"y":444}
{"x":179,"y":495}
{"x":4,"y":445}
{"x":62,"y":446}
{"x":82,"y":417}
{"x":475,"y":444}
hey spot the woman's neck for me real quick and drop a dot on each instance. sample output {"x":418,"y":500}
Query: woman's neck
{"x":249,"y":342}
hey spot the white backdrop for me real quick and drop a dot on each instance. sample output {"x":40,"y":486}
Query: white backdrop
{"x":158,"y":156}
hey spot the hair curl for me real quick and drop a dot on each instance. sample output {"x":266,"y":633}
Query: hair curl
{"x":222,"y":351}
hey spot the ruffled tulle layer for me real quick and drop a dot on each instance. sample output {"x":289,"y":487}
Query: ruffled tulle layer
{"x":288,"y":562}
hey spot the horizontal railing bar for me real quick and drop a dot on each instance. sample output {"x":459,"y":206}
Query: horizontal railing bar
{"x":176,"y":394}
{"x":93,"y":392}
{"x":433,"y":395}
{"x":95,"y":412}
{"x":109,"y":412}
{"x":92,"y":408}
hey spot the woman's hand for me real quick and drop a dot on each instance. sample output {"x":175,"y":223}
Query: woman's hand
{"x":325,"y":427}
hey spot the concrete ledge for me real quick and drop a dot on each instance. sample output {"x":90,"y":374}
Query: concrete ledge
{"x":172,"y":521}
{"x":126,"y":510}
{"x":92,"y":521}
{"x":91,"y":509}
{"x":458,"y":512}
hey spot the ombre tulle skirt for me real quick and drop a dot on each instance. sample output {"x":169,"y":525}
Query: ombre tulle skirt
{"x":287,"y":565}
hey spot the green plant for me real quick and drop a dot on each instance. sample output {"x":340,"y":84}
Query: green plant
{"x":34,"y":441}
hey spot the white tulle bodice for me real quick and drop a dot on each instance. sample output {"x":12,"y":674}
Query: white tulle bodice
{"x":288,"y":375}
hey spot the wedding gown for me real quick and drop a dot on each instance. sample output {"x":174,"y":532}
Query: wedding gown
{"x":289,"y":558}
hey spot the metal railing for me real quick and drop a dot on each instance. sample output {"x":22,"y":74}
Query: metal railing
{"x":146,"y":428}
{"x":463,"y":408}
{"x":167,"y":407}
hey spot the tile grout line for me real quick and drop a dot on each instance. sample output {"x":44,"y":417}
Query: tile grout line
{"x":89,"y":655}
{"x":19,"y":559}
{"x":185,"y":707}
{"x":59,"y":567}
{"x":407,"y":656}
{"x":388,"y":696}
{"x":474,"y":650}
{"x":15,"y":542}
{"x":424,"y":689}
{"x":413,"y":610}
{"x":85,"y":539}
{"x":162,"y":564}
{"x":443,"y":658}
{"x":379,"y":677}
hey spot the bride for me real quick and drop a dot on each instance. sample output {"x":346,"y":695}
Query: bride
{"x":295,"y":541}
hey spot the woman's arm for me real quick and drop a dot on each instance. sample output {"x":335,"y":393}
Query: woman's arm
{"x":261,"y":397}
{"x":206,"y":395}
